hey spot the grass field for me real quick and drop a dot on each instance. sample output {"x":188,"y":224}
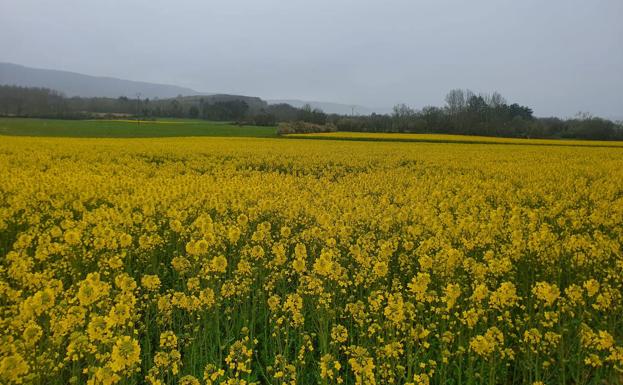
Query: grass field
{"x":127,"y":128}
{"x":239,"y":261}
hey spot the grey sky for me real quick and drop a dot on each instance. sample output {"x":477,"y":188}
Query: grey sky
{"x":558,"y":56}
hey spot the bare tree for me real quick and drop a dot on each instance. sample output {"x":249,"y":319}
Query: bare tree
{"x":403,"y":111}
{"x":456,"y":101}
{"x":495,"y":100}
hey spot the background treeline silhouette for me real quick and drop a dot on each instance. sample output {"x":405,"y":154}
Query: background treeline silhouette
{"x":484,"y":114}
{"x":464,"y":113}
{"x":46,"y":103}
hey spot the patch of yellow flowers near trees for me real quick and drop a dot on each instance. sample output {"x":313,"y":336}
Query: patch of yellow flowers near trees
{"x":262,"y":261}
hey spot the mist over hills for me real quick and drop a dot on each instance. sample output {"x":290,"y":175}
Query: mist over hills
{"x":75,"y":84}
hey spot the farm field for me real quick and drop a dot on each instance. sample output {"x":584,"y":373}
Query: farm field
{"x":127,"y":128}
{"x":448,"y":138}
{"x":262,"y":261}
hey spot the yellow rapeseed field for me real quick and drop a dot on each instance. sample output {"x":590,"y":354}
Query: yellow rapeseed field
{"x":240,"y":261}
{"x":451,"y":138}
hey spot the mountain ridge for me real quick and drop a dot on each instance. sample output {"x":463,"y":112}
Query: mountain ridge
{"x":77,"y":84}
{"x":73,"y":84}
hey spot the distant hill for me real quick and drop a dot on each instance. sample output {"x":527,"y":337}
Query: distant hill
{"x":333,"y":108}
{"x":75,"y":84}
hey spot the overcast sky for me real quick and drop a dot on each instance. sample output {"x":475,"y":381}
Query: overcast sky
{"x":558,"y":56}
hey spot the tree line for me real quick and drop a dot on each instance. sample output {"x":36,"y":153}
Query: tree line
{"x":464,"y":113}
{"x":467,"y":113}
{"x":46,"y":103}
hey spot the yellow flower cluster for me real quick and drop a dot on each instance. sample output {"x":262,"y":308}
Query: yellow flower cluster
{"x":250,"y":261}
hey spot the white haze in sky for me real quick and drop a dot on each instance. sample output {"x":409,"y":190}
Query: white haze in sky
{"x":557,"y":56}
